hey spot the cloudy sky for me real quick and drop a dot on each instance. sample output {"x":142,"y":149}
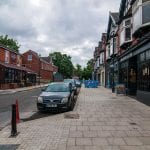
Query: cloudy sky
{"x":73,"y":27}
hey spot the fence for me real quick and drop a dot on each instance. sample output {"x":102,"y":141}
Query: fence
{"x":91,"y":83}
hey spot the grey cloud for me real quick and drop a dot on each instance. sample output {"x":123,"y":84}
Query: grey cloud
{"x":73,"y":27}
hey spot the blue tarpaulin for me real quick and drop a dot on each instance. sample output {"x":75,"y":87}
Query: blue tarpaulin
{"x":91,"y":83}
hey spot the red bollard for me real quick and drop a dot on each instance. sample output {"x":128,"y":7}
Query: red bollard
{"x":17,"y":112}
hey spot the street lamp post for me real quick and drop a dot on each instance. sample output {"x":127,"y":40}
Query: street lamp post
{"x":39,"y":69}
{"x":113,"y":84}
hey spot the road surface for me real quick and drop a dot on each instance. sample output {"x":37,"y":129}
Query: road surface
{"x":27,"y":104}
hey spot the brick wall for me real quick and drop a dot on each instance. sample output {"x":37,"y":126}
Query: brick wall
{"x":2,"y":54}
{"x":33,"y":64}
{"x":12,"y":58}
{"x":40,"y":67}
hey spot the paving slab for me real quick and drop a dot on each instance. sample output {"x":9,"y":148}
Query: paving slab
{"x":105,"y":122}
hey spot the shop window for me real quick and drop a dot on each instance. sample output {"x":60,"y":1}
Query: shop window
{"x":147,"y":54}
{"x":144,"y":76}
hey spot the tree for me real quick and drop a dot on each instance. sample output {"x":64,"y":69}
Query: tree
{"x":78,"y":71}
{"x":64,"y":64}
{"x":87,"y":71}
{"x":9,"y":43}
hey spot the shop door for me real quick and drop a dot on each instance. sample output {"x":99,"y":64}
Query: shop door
{"x":132,"y":76}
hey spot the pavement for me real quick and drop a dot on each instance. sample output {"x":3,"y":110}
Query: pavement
{"x":99,"y":121}
{"x":11,"y":91}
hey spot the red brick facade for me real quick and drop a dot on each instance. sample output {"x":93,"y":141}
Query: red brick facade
{"x":43,"y":68}
{"x":12,"y":73}
{"x":10,"y":57}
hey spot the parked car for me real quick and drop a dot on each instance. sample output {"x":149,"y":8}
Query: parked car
{"x":78,"y":83}
{"x":57,"y":96}
{"x":73,"y":82}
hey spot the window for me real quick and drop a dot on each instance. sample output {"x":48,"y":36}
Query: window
{"x":141,"y":13}
{"x":136,"y":19}
{"x":29,"y":57}
{"x":6,"y":56}
{"x":127,"y":28}
{"x":107,"y":51}
{"x":144,"y":76}
{"x":147,"y":54}
{"x":143,"y":1}
{"x":142,"y":57}
{"x":126,"y":33}
{"x":146,"y":13}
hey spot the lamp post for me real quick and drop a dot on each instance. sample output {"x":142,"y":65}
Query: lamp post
{"x":113,"y":84}
{"x":39,"y":69}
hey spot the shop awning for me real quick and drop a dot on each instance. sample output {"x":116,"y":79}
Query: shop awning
{"x":21,"y":68}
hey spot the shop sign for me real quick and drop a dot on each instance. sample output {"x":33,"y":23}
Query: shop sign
{"x":126,"y":57}
{"x":142,"y":57}
{"x":147,"y":54}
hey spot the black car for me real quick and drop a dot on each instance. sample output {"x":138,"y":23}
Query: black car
{"x":73,"y":82}
{"x":56,"y":96}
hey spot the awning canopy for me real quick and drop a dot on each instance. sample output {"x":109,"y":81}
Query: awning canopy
{"x":21,"y":68}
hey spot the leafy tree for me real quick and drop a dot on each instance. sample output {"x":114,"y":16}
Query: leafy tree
{"x":9,"y":43}
{"x":64,"y":64}
{"x":87,"y":71}
{"x":78,"y":71}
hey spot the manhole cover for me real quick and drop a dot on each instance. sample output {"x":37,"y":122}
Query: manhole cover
{"x":71,"y":116}
{"x":133,"y":123}
{"x":9,"y":146}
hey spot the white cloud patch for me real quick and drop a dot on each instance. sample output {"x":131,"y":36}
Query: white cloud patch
{"x":70,"y":26}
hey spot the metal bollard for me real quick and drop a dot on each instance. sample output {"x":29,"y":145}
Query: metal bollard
{"x":13,"y":121}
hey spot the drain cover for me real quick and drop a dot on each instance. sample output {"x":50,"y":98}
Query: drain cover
{"x":133,"y":123}
{"x":71,"y":116}
{"x":9,"y":146}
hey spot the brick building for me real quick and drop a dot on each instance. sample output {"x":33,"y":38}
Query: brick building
{"x":43,"y":66}
{"x":128,"y":49}
{"x":12,"y":73}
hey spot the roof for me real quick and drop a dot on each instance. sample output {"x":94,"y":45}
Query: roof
{"x":113,"y":20}
{"x":4,"y":47}
{"x":115,"y":16}
{"x":17,"y":67}
{"x":33,"y":52}
{"x":122,"y":9}
{"x":47,"y":59}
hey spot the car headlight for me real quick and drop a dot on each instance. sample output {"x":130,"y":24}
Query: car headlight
{"x":40,"y":100}
{"x":64,"y":100}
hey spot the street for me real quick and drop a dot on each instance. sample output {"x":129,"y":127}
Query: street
{"x":26,"y":101}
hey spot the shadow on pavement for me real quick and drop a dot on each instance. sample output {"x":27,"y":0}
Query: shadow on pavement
{"x":38,"y":115}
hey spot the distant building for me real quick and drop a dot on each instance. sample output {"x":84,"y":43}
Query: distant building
{"x":99,"y":61}
{"x":43,"y":66}
{"x":112,"y":50}
{"x":12,"y":73}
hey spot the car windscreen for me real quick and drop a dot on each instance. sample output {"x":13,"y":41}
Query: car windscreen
{"x":57,"y":88}
{"x":69,"y":81}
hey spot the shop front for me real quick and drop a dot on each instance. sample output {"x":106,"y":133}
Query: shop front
{"x":108,"y":75}
{"x":13,"y":76}
{"x":143,"y":90}
{"x":134,"y":72}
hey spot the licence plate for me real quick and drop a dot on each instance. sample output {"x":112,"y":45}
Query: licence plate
{"x":51,"y":105}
